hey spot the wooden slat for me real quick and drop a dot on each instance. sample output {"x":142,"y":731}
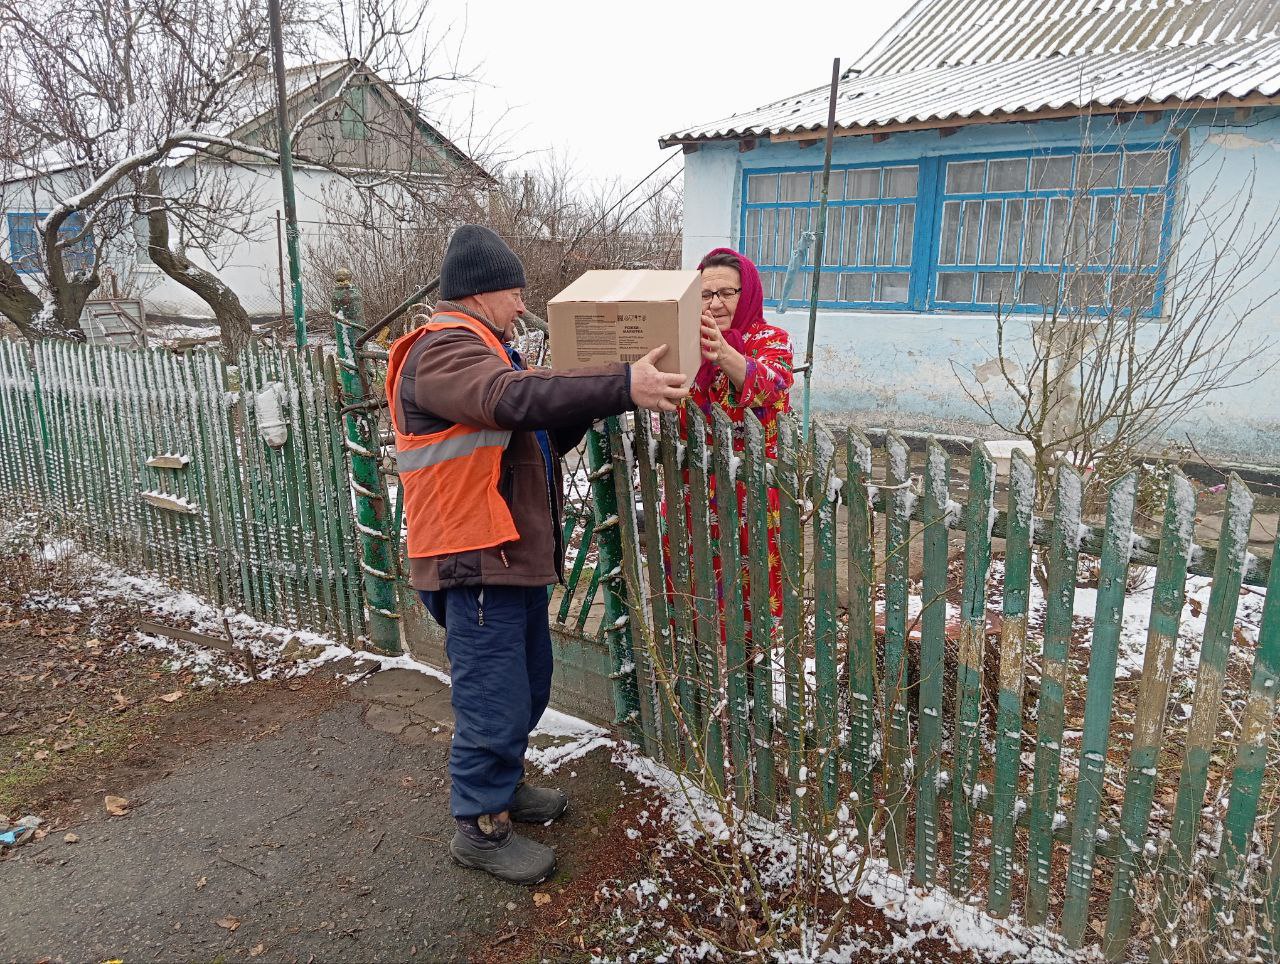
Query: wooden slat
{"x":1013,"y":649}
{"x":933,"y":642}
{"x":1202,"y":729}
{"x":791,"y":496}
{"x":979,"y":511}
{"x":682,"y":595}
{"x":862,"y":642}
{"x":754,"y":467}
{"x":1153,"y":696}
{"x":738,"y":706}
{"x":1230,"y":878}
{"x":823,"y":493}
{"x":898,"y":505}
{"x":1113,"y":573}
{"x":661,"y":655}
{"x":706,"y":622}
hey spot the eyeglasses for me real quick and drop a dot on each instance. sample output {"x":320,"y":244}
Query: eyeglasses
{"x":724,"y":294}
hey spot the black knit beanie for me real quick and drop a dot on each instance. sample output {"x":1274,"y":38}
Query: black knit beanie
{"x":476,"y":261}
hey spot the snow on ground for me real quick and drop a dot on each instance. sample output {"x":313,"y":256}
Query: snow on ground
{"x":846,"y":870}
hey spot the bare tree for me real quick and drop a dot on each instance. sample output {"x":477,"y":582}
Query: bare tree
{"x":1105,"y":349}
{"x":108,"y":104}
{"x":558,"y":227}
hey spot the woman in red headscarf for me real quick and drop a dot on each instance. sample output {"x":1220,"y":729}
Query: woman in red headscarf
{"x":746,"y":364}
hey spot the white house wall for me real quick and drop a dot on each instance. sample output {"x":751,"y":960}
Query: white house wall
{"x":904,"y":369}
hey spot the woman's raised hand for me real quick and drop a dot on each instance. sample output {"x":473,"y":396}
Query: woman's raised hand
{"x":713,"y":344}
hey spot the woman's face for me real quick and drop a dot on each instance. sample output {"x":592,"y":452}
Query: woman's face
{"x":718,"y":278}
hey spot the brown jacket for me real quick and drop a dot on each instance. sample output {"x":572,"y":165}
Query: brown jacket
{"x":451,"y":376}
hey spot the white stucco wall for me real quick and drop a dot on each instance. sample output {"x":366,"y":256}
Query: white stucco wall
{"x":900,"y":369}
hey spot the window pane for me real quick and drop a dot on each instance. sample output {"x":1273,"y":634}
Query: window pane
{"x":1104,"y":220}
{"x":1146,"y":169}
{"x":1098,"y":171}
{"x":762,"y":187}
{"x":794,"y":187}
{"x":1033,"y":243}
{"x":827,"y":285}
{"x":852,"y":219}
{"x":1129,"y":230}
{"x":1152,"y":227}
{"x":835,"y":187}
{"x":991,"y":232}
{"x":769,"y":234}
{"x":906,"y":232}
{"x":970,"y":224}
{"x":888,"y":224}
{"x":1078,"y":250}
{"x":864,"y":183}
{"x":1087,"y":290}
{"x":1009,"y":174}
{"x":833,"y":236}
{"x":1059,"y":219}
{"x":965,"y":177}
{"x":751,"y":236}
{"x":950,"y":232}
{"x":900,"y":181}
{"x":1039,"y":288}
{"x":855,"y":287}
{"x":1133,"y":292}
{"x":955,"y":286}
{"x":1051,"y":174}
{"x":1014,"y":211}
{"x":995,"y":288}
{"x":767,"y":284}
{"x":868,"y":251}
{"x":892,"y":286}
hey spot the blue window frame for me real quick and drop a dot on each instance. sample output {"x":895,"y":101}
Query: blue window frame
{"x":24,"y":242}
{"x":1023,"y":230}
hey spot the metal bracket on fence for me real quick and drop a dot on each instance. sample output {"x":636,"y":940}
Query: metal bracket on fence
{"x":371,"y":533}
{"x":365,"y":407}
{"x":374,"y":572}
{"x":360,"y":490}
{"x":606,"y":524}
{"x":601,"y":473}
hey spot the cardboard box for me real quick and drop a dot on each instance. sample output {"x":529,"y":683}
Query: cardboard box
{"x":609,"y":316}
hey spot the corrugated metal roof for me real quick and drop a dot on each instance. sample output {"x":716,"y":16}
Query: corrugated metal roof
{"x":950,"y":60}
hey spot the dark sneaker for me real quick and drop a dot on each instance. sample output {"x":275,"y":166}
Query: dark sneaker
{"x":491,"y":845}
{"x":537,"y":804}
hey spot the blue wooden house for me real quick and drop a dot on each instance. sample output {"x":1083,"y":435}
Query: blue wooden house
{"x":1001,"y":156}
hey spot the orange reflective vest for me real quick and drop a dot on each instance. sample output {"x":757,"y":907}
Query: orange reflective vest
{"x":449,"y":479}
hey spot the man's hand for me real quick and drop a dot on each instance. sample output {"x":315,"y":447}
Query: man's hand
{"x":655,"y":390}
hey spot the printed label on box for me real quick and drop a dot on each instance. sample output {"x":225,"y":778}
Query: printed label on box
{"x":633,"y":338}
{"x":595,"y":335}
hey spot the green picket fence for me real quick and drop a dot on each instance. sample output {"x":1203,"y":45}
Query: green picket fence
{"x":940,"y":736}
{"x":161,"y":460}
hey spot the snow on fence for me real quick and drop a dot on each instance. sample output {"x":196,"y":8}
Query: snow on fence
{"x":976,"y":725}
{"x":229,"y":480}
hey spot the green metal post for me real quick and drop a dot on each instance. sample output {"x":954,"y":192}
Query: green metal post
{"x":286,"y":173}
{"x":377,"y":545}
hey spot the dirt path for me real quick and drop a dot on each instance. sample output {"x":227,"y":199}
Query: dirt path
{"x":312,"y":824}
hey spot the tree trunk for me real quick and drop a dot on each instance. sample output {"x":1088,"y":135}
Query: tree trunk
{"x":233,"y":320}
{"x":19,"y":303}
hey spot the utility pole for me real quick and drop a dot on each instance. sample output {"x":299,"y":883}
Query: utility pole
{"x":286,"y":173}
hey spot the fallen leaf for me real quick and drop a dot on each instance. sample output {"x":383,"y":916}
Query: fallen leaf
{"x":71,"y":838}
{"x":201,"y":882}
{"x":116,"y":806}
{"x":257,"y":949}
{"x":41,"y":755}
{"x":64,"y":746}
{"x":228,"y":923}
{"x":172,"y":697}
{"x":541,"y":900}
{"x":406,"y":782}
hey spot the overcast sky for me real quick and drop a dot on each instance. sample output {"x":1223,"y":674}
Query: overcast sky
{"x":599,"y":82}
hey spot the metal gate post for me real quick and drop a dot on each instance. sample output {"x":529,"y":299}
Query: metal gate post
{"x":617,"y":620}
{"x":378,"y":544}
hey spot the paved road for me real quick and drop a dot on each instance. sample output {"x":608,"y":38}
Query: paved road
{"x":326,"y":839}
